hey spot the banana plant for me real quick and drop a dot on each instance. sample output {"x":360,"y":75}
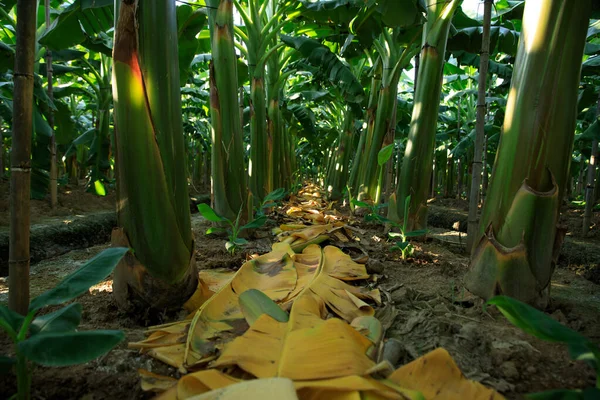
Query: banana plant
{"x":229,"y":187}
{"x":393,"y":60}
{"x":154,"y":214}
{"x":417,"y":162}
{"x":517,"y":242}
{"x":260,"y":39}
{"x":403,"y":234}
{"x":52,"y":339}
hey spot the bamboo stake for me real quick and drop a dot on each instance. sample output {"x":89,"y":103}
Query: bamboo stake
{"x":480,"y":125}
{"x":20,"y":178}
{"x":459,"y":164}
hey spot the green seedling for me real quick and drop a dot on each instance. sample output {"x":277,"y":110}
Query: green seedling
{"x":52,"y":339}
{"x":232,"y":228}
{"x":373,"y":211}
{"x":271,"y":200}
{"x":542,"y":326}
{"x":403,"y":235}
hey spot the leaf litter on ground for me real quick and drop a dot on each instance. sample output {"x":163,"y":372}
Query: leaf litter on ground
{"x":235,"y":343}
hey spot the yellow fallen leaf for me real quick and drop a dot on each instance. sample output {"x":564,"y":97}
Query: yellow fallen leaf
{"x":437,"y":377}
{"x":152,"y":382}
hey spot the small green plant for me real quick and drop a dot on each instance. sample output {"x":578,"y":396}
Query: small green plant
{"x":403,"y":244}
{"x":52,"y":339}
{"x":232,"y":228}
{"x":373,"y":214}
{"x":271,"y":200}
{"x":542,"y":326}
{"x":403,"y":234}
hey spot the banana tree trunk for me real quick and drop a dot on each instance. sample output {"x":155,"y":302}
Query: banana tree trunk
{"x":356,"y":161}
{"x":153,"y":202}
{"x":103,"y":149}
{"x":20,"y":167}
{"x":518,"y":242}
{"x":50,"y":117}
{"x":385,"y":120}
{"x":390,"y":165}
{"x":258,"y":169}
{"x":276,"y":125}
{"x":418,"y":157}
{"x":338,"y":168}
{"x":449,"y":173}
{"x":207,"y":170}
{"x":459,"y":178}
{"x":228,"y":172}
{"x":360,"y":166}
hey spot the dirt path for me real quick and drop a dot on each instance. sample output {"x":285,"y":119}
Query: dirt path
{"x":426,"y":292}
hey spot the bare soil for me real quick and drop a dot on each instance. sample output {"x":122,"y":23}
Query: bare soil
{"x":433,"y":309}
{"x":571,"y":217}
{"x":72,"y":201}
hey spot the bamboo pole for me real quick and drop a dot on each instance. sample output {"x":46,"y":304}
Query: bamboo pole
{"x":20,"y":178}
{"x":473,"y":219}
{"x":486,"y":177}
{"x":459,"y":164}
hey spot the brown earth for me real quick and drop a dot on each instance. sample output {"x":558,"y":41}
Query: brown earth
{"x":433,"y":309}
{"x":571,"y":216}
{"x":72,"y":201}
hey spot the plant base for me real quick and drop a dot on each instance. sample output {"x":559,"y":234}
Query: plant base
{"x":139,"y":293}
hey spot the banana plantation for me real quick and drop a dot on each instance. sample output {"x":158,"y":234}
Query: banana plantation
{"x":299,"y":199}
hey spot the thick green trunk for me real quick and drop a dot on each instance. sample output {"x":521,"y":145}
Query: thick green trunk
{"x":360,"y":163}
{"x":258,"y":169}
{"x":518,"y":242}
{"x":417,"y":163}
{"x":153,"y":203}
{"x":276,"y":126}
{"x":384,"y":118}
{"x":356,"y":161}
{"x":338,"y":168}
{"x":50,"y":117}
{"x":390,"y":65}
{"x":228,"y":173}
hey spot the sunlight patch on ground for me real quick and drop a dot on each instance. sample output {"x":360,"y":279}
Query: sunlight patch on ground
{"x":106,"y":286}
{"x":3,"y":290}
